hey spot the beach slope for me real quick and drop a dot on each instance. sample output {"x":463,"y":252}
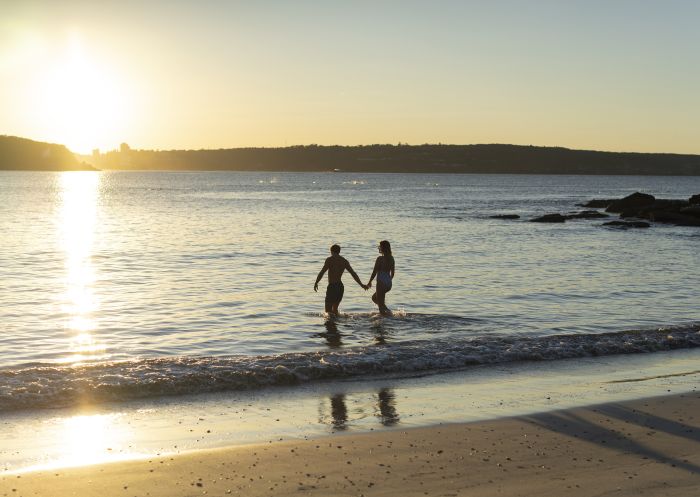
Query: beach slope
{"x":644,"y":447}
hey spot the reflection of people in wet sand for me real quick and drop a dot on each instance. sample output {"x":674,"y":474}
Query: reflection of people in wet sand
{"x":384,"y":271}
{"x":386,"y":407}
{"x":339,"y":411}
{"x":336,"y":265}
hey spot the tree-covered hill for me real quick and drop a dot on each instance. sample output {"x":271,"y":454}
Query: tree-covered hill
{"x":29,"y":155}
{"x":495,"y":158}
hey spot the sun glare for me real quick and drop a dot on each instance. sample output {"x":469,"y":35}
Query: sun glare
{"x":79,"y":192}
{"x":80,"y":101}
{"x":90,"y":439}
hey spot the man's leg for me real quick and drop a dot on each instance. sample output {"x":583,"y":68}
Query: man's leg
{"x":339,"y":299}
{"x":334,"y":294}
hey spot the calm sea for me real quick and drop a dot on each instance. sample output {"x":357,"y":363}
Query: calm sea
{"x":123,"y":285}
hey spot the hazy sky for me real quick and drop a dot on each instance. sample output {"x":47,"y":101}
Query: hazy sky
{"x":608,"y":74}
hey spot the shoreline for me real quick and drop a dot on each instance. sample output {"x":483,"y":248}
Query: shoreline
{"x":59,"y":438}
{"x":622,"y":448}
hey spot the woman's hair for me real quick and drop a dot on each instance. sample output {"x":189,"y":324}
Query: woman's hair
{"x":385,"y":246}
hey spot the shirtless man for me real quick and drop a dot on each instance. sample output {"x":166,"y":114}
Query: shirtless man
{"x":335,"y":265}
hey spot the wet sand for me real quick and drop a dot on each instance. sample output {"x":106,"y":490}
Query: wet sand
{"x":644,"y":447}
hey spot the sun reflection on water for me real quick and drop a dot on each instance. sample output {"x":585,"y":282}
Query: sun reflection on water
{"x":83,"y":440}
{"x":78,"y":217}
{"x":90,"y":439}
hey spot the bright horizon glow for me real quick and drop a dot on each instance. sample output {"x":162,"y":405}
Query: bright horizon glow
{"x":78,"y":101}
{"x":619,"y":76}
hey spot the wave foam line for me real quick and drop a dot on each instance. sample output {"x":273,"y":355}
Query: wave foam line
{"x":52,"y":386}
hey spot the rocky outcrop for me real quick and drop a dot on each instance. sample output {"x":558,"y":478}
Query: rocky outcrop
{"x":669,"y":211}
{"x":549,"y":218}
{"x":560,"y":218}
{"x":693,"y":210}
{"x":637,"y":206}
{"x":587,"y":215}
{"x":676,"y":218}
{"x":633,"y":202}
{"x":628,"y":224}
{"x":598,"y":203}
{"x":657,"y":207}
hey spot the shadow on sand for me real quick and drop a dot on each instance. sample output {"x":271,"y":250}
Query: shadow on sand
{"x":589,"y":424}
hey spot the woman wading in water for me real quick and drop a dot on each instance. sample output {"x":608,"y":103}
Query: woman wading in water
{"x":384,"y":271}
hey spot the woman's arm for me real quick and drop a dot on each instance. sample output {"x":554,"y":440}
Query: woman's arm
{"x":374,"y":271}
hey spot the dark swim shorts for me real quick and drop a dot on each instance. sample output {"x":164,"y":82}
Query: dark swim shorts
{"x":334,"y":293}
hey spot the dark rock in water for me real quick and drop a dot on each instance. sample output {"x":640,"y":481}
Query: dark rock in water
{"x":598,"y":203}
{"x":631,"y":213}
{"x":628,"y":224}
{"x":645,"y":206}
{"x":661,"y":206}
{"x":667,"y":205}
{"x":587,"y":215}
{"x":631,"y":202}
{"x":549,"y":218}
{"x":693,"y":210}
{"x":505,"y":216}
{"x":674,"y":218}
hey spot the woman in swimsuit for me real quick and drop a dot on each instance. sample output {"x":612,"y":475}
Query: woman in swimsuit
{"x":384,"y":271}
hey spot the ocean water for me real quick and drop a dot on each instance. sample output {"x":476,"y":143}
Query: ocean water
{"x":135,"y":285}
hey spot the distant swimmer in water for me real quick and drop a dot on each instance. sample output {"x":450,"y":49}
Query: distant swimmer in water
{"x":384,"y":271}
{"x":335,"y":265}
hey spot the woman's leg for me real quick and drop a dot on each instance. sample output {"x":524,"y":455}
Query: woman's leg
{"x":380,"y":297}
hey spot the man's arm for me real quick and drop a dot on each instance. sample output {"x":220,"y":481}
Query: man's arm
{"x":320,"y":275}
{"x":354,"y":275}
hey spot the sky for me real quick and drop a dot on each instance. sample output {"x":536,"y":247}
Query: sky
{"x":619,"y":75}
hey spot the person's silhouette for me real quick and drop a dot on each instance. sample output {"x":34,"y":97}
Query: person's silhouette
{"x":336,"y":265}
{"x":384,"y":271}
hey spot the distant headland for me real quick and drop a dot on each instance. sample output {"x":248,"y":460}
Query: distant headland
{"x":23,"y":154}
{"x":484,"y":159}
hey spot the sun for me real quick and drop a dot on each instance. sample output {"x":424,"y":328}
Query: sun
{"x":80,"y":101}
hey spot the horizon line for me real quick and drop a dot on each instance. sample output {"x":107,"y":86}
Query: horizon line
{"x":399,"y":144}
{"x":301,"y":145}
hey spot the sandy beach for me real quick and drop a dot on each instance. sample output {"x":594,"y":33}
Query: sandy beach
{"x":647,"y":447}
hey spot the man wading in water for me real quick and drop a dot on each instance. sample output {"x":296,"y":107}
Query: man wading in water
{"x":335,"y":265}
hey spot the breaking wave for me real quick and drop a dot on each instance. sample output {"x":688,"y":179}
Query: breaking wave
{"x":49,"y":385}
